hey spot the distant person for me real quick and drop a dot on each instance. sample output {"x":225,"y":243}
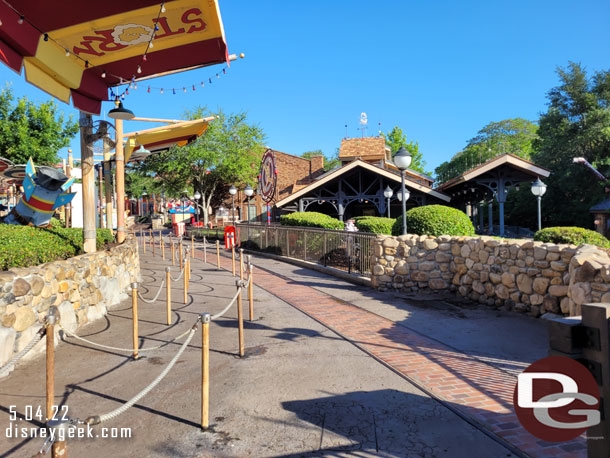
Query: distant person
{"x":350,"y":226}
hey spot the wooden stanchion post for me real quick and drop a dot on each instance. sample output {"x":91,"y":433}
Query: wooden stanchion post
{"x":173,"y":254}
{"x":134,"y":312}
{"x":160,"y":239}
{"x":241,"y":264}
{"x":168,"y":295}
{"x":152,"y":242}
{"x":193,"y":246}
{"x":185,"y":284}
{"x":143,"y":242}
{"x":188,"y":270}
{"x":233,"y":259}
{"x":162,"y":243}
{"x":181,"y":255}
{"x":205,"y":370}
{"x":240,"y":320}
{"x":251,"y":289}
{"x":51,"y":321}
{"x":218,"y":254}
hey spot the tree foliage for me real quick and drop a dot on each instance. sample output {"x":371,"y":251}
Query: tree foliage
{"x":30,"y":130}
{"x":229,"y":152}
{"x":513,"y":136}
{"x":396,"y":138}
{"x":576,"y":124}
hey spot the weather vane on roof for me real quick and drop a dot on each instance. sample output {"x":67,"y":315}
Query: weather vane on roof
{"x":363,"y":122}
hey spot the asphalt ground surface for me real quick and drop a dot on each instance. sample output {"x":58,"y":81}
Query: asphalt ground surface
{"x":301,"y":389}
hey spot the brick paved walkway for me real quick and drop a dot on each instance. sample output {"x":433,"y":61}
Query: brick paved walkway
{"x":474,"y":389}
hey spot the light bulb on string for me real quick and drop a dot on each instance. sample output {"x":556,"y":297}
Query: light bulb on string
{"x":163,"y":7}
{"x":217,"y":76}
{"x":193,"y":87}
{"x":20,"y":20}
{"x":174,"y":91}
{"x":104,"y":74}
{"x":0,"y":22}
{"x":135,"y":86}
{"x":67,"y":53}
{"x":148,"y":89}
{"x":46,"y":37}
{"x":184,"y":90}
{"x":86,"y":64}
{"x":150,"y":45}
{"x":161,"y":90}
{"x":144,"y":58}
{"x":202,"y":84}
{"x":139,"y":69}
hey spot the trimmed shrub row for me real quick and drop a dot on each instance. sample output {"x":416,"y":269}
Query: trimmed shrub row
{"x":23,"y":246}
{"x":310,"y":219}
{"x":375,"y":224}
{"x":573,"y":235}
{"x":435,"y":220}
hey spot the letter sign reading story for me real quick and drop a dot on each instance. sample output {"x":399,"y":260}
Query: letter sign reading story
{"x":556,"y":399}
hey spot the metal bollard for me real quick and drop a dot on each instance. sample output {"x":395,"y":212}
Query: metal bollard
{"x":168,"y":294}
{"x":205,"y":370}
{"x":134,"y":312}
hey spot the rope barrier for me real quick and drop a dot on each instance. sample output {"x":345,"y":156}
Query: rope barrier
{"x":97,"y":419}
{"x":4,"y":370}
{"x":125,"y":350}
{"x":239,"y":284}
{"x":156,"y":297}
{"x":179,"y":276}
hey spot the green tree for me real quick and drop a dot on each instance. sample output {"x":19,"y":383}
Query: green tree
{"x":330,"y":162}
{"x":576,"y":124}
{"x":514,"y":136}
{"x":229,"y":152}
{"x":30,"y":130}
{"x":396,"y":138}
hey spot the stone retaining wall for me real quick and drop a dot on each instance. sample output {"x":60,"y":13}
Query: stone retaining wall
{"x":82,"y":288}
{"x":526,"y":276}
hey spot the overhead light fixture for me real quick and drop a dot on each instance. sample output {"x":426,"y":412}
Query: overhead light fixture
{"x":121,"y":112}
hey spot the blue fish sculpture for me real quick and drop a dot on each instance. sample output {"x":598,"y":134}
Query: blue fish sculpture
{"x":44,"y":191}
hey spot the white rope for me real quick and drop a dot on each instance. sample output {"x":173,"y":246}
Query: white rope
{"x":179,"y":276}
{"x":115,"y":413}
{"x":4,"y":370}
{"x":125,"y":350}
{"x":240,"y":284}
{"x":156,"y":297}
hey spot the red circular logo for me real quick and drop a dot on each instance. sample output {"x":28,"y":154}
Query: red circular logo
{"x":556,"y":399}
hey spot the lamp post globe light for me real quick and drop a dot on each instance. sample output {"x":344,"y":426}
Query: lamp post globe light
{"x":538,"y":189}
{"x":233,"y":191}
{"x":388,"y":193}
{"x":402,"y":160}
{"x":248,"y":191}
{"x":197,"y":197}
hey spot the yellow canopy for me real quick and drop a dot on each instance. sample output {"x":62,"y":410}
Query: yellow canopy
{"x":159,"y":139}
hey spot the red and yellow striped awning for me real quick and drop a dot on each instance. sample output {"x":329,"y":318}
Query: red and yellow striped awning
{"x":161,"y":139}
{"x":78,"y":49}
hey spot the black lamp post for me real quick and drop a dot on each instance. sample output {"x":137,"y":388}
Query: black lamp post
{"x":538,"y":189}
{"x":388,"y":193}
{"x":197,"y":197}
{"x":233,"y":191}
{"x":402,"y":160}
{"x":248,"y":191}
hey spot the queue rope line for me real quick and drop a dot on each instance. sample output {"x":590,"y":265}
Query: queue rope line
{"x":152,"y":301}
{"x":125,"y":350}
{"x":4,"y":370}
{"x":240,"y":284}
{"x":97,"y":419}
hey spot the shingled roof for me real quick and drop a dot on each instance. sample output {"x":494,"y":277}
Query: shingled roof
{"x":369,"y":147}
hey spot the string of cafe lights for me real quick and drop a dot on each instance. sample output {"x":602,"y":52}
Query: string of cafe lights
{"x":130,"y":83}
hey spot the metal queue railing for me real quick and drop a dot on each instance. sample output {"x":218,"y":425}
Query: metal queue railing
{"x":343,"y":250}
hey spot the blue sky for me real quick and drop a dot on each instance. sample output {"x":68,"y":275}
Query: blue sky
{"x":440,"y":70}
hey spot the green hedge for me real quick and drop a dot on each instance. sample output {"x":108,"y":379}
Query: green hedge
{"x":23,"y":246}
{"x":573,"y":235}
{"x":435,"y":220}
{"x":375,"y":224}
{"x":310,"y":219}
